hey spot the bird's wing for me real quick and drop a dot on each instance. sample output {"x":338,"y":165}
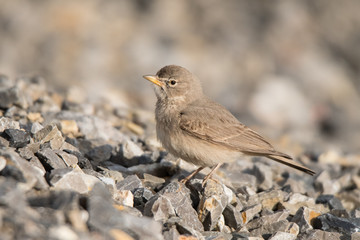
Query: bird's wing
{"x":213,"y":123}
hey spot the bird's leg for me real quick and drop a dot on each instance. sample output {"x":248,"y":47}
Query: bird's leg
{"x":211,"y":173}
{"x":191,"y":175}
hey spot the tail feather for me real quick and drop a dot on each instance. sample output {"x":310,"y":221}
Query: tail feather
{"x":287,"y":160}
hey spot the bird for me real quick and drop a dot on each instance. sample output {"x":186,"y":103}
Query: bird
{"x":199,"y":130}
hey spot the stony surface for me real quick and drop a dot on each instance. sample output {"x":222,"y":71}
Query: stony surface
{"x":67,"y":173}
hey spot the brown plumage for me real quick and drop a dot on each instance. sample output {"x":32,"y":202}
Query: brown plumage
{"x":201,"y":131}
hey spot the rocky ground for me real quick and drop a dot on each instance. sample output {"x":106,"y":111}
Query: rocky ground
{"x":71,"y":170}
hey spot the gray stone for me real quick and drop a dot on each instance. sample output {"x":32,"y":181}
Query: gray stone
{"x":152,"y":181}
{"x":35,"y":127}
{"x":93,"y":127}
{"x":130,"y":154}
{"x":183,"y":227}
{"x":212,"y":203}
{"x":9,"y":97}
{"x":330,"y":200}
{"x":233,"y":217}
{"x":27,"y":175}
{"x":69,"y":159}
{"x":99,"y":154}
{"x":47,"y":133}
{"x":320,"y":235}
{"x":282,"y":236}
{"x":141,"y":197}
{"x":267,"y":219}
{"x":75,"y":180}
{"x":304,"y":217}
{"x":129,"y":183}
{"x":267,"y":230}
{"x":355,"y":236}
{"x":355,"y":213}
{"x":8,"y":123}
{"x":115,"y":175}
{"x":171,"y":234}
{"x":4,"y":142}
{"x":264,"y":175}
{"x":83,"y":162}
{"x":212,"y":235}
{"x":2,"y":163}
{"x":325,"y":184}
{"x":173,"y":201}
{"x":105,"y":218}
{"x":17,"y":138}
{"x":250,"y":212}
{"x":50,"y":159}
{"x":26,"y":153}
{"x":269,"y":199}
{"x":329,"y":222}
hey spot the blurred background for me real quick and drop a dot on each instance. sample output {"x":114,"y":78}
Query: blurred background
{"x":289,"y":69}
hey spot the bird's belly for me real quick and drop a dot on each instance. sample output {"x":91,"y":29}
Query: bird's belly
{"x":194,"y":150}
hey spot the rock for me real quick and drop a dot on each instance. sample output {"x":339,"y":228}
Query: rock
{"x":9,"y":97}
{"x":152,"y":181}
{"x":50,"y":159}
{"x":297,"y":200}
{"x":172,"y":234}
{"x":69,"y":159}
{"x":124,"y":197}
{"x":217,"y":235}
{"x":92,"y":127}
{"x":320,"y":235}
{"x":304,"y":217}
{"x":355,"y":236}
{"x":115,"y":175}
{"x":264,"y":176}
{"x":99,"y":154}
{"x":233,"y":217}
{"x":268,"y":229}
{"x":68,"y":179}
{"x":69,"y":127}
{"x":325,"y":184}
{"x":8,"y":123}
{"x":267,"y":219}
{"x":35,"y":127}
{"x":62,"y":232}
{"x":83,"y":162}
{"x":3,"y":142}
{"x":282,"y":236}
{"x":269,"y":199}
{"x":212,"y":203}
{"x":131,"y":183}
{"x":331,"y":201}
{"x":50,"y":134}
{"x":141,"y":197}
{"x":183,"y":228}
{"x":2,"y":163}
{"x":329,"y":222}
{"x":249,"y":212}
{"x":35,"y":117}
{"x":105,"y":218}
{"x":130,"y":155}
{"x":20,"y":169}
{"x":173,"y":201}
{"x":17,"y":138}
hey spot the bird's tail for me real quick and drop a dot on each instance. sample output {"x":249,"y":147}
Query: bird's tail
{"x":287,"y":160}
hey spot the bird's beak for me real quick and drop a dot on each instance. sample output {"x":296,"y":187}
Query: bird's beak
{"x":154,"y":79}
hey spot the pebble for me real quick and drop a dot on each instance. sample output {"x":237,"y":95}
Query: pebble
{"x":71,"y":170}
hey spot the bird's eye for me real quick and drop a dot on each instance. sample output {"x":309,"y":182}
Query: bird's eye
{"x":172,"y":82}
